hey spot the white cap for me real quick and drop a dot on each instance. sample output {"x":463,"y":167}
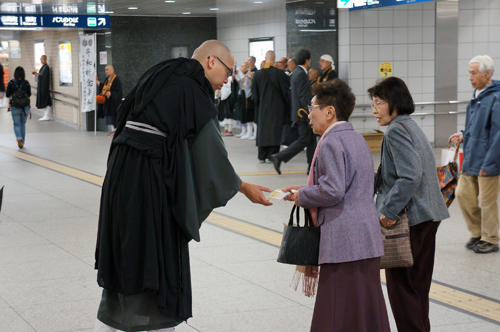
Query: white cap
{"x":327,"y":57}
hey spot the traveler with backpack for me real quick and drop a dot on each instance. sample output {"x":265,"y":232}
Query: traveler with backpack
{"x":20,"y":91}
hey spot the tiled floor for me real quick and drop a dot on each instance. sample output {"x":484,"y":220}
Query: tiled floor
{"x":48,"y":229}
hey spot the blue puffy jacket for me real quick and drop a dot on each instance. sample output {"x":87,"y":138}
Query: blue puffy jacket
{"x":482,"y":133}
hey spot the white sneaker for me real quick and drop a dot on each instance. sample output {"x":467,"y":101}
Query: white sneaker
{"x":253,"y":138}
{"x":44,"y":118}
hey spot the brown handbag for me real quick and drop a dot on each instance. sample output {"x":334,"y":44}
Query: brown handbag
{"x":397,"y":247}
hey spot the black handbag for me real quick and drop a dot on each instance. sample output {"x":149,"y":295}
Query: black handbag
{"x":289,"y":134}
{"x":300,"y":245}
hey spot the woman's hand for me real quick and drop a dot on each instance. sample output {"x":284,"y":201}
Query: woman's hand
{"x":386,"y":222}
{"x":292,"y":197}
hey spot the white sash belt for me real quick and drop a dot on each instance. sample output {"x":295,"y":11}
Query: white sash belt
{"x":145,"y":128}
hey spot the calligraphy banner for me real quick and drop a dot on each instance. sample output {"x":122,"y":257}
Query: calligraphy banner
{"x":88,"y":72}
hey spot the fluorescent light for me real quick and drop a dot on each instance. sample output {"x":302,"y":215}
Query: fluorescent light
{"x":186,"y":13}
{"x":109,"y":12}
{"x":257,"y":2}
{"x":169,"y":1}
{"x":133,"y":8}
{"x":214,"y":8}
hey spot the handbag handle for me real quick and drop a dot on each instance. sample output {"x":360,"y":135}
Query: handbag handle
{"x":457,"y":147}
{"x":308,"y":218}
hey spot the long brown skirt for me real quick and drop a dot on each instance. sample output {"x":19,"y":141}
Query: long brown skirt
{"x":350,"y":298}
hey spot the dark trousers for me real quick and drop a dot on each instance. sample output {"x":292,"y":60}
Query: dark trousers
{"x":266,"y":151}
{"x":408,"y":288}
{"x":306,"y":139}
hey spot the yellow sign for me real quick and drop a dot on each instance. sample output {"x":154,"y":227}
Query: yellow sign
{"x":386,"y":69}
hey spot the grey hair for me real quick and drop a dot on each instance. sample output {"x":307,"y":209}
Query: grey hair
{"x":485,"y":63}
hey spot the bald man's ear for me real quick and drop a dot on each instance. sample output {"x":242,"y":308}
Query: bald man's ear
{"x":211,"y":61}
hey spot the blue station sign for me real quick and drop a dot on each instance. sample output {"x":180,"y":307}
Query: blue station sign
{"x":367,"y":4}
{"x":54,"y":21}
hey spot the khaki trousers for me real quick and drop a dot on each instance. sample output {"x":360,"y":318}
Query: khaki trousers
{"x":480,"y":213}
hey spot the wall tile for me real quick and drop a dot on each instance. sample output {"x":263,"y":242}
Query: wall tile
{"x":356,"y":36}
{"x":415,"y":35}
{"x":385,"y":19}
{"x":371,"y":69}
{"x":481,"y":4}
{"x":386,"y":53}
{"x":400,"y":35}
{"x":343,"y":19}
{"x":465,"y":51}
{"x":415,"y":51}
{"x":386,"y":36}
{"x":494,"y":4}
{"x":465,"y":4}
{"x":415,"y":6}
{"x":494,"y":17}
{"x":481,"y":17}
{"x":428,"y":84}
{"x":428,"y":34}
{"x":370,"y":36}
{"x":370,"y":53}
{"x":415,"y":69}
{"x":357,"y":70}
{"x":357,"y":86}
{"x":400,"y":68}
{"x":344,"y":36}
{"x":429,"y":132}
{"x":400,"y":18}
{"x":344,"y":72}
{"x":370,"y":19}
{"x":465,"y":18}
{"x":356,"y":19}
{"x":480,"y":48}
{"x":428,"y":6}
{"x":494,"y":33}
{"x":494,"y":50}
{"x":465,"y":35}
{"x":401,"y":52}
{"x":463,"y":84}
{"x":429,"y":18}
{"x":415,"y":18}
{"x":344,"y":54}
{"x":428,"y":68}
{"x":357,"y":52}
{"x":428,"y":51}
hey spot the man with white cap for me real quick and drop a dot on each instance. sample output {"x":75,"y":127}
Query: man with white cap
{"x":327,"y":67}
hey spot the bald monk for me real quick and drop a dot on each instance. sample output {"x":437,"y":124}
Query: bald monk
{"x":111,"y":88}
{"x":167,"y":170}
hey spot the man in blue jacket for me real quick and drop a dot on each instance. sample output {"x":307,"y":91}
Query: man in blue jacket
{"x":478,"y":187}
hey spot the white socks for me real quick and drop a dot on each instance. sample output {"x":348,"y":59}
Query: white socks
{"x":45,"y":116}
{"x":243,"y":130}
{"x":249,"y":132}
{"x":254,"y":136}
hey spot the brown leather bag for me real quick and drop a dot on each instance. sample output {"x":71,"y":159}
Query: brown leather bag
{"x":397,"y":247}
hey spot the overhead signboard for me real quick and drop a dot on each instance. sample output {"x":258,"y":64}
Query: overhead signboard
{"x":55,"y":21}
{"x":367,"y":4}
{"x":313,"y":18}
{"x":83,"y":8}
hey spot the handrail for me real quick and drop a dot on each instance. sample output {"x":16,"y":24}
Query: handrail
{"x":62,"y":94}
{"x":358,"y":116}
{"x":65,"y":102}
{"x":424,"y":103}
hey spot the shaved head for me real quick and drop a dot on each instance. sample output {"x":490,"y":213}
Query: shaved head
{"x":270,"y":57}
{"x":109,"y":70}
{"x":217,"y":61}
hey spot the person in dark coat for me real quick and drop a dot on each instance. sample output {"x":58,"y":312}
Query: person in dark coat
{"x":270,"y":89}
{"x":301,"y":98}
{"x":111,"y":88}
{"x":2,"y":84}
{"x":43,"y":100}
{"x":167,"y":170}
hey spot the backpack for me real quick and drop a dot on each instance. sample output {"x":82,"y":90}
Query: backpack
{"x":19,"y":98}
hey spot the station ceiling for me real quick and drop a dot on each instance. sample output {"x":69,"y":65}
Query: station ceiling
{"x":206,"y":8}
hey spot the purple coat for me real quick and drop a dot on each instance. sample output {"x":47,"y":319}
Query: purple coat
{"x":343,"y":193}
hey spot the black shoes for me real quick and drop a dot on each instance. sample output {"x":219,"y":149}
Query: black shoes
{"x":483,"y":247}
{"x":276,"y":163}
{"x":472,"y":243}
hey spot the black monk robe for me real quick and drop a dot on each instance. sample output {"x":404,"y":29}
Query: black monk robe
{"x":110,"y":107}
{"x":160,"y":185}
{"x":43,"y":88}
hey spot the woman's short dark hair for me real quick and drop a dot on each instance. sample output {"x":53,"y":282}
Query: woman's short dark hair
{"x":19,"y":73}
{"x":338,"y":94}
{"x":395,"y":92}
{"x":302,"y":56}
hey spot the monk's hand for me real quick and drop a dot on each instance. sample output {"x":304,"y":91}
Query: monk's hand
{"x":386,"y":222}
{"x":108,"y":94}
{"x":254,"y":193}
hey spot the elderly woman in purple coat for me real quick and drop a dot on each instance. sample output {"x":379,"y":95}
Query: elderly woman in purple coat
{"x":340,"y":190}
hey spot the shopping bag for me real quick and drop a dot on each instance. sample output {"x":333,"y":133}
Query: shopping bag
{"x":447,"y":155}
{"x":448,"y":177}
